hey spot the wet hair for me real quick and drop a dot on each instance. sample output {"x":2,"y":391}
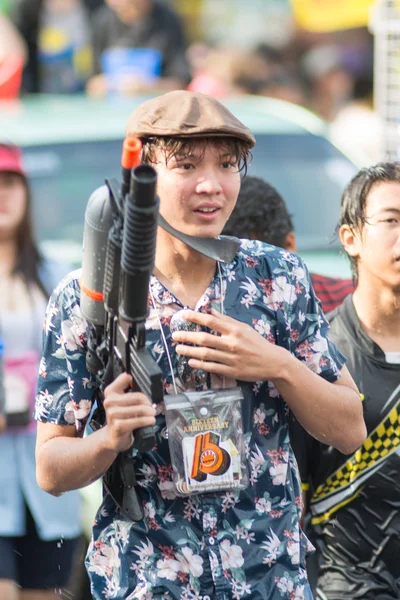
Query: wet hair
{"x":354,"y":198}
{"x":260,"y":213}
{"x":176,"y":146}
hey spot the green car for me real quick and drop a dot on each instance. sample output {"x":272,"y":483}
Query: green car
{"x":72,"y":143}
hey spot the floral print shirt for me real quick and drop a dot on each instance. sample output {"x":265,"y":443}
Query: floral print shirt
{"x":225,"y":545}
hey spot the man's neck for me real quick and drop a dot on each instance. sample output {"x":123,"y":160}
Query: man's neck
{"x":378,"y":308}
{"x":184,"y":272}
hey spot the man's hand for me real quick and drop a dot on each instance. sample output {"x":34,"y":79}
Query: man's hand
{"x":125,"y":412}
{"x":2,"y":423}
{"x":239,"y":351}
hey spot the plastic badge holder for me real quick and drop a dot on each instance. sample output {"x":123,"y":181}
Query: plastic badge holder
{"x":205,"y":436}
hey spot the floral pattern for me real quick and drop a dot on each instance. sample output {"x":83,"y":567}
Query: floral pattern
{"x":226,"y":545}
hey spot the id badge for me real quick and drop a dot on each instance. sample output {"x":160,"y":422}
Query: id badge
{"x":205,"y":436}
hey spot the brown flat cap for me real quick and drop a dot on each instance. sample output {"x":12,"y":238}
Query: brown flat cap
{"x":186,"y":114}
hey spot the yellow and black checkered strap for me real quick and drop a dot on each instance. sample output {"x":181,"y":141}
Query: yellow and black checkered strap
{"x":347,"y":481}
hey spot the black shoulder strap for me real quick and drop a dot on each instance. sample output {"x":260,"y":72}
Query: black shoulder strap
{"x":221,"y":249}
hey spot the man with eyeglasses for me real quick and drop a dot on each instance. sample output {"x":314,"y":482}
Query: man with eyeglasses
{"x":253,"y":318}
{"x":355,"y":499}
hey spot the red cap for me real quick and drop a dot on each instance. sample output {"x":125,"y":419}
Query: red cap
{"x":11,"y":159}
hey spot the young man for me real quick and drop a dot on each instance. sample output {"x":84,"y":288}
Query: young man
{"x":225,"y":545}
{"x":355,"y":499}
{"x":261,"y":214}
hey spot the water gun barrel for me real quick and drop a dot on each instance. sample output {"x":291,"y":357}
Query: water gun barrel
{"x":138,"y":243}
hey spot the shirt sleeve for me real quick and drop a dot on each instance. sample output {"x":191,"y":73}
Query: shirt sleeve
{"x":308,"y":328}
{"x":65,"y":389}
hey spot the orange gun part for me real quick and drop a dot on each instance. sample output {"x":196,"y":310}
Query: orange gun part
{"x":131,"y":150}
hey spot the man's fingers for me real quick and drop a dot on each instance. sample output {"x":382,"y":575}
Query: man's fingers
{"x":216,"y":321}
{"x":211,"y":367}
{"x":206,"y":354}
{"x":130,"y":412}
{"x":199,"y":338}
{"x":120,"y":383}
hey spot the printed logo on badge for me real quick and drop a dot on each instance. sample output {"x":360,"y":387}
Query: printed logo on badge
{"x":209,"y":462}
{"x":209,"y":458}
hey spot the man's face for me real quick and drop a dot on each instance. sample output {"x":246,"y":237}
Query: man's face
{"x":198,"y":191}
{"x":377,"y":244}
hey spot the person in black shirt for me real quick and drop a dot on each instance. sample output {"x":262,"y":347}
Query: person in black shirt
{"x":146,"y":25}
{"x":355,"y":499}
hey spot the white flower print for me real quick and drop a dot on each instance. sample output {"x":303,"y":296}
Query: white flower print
{"x":209,"y":521}
{"x":145,"y":552}
{"x":167,"y":489}
{"x":42,"y":406}
{"x":229,"y":500}
{"x":149,"y":510}
{"x":263,"y":327}
{"x":247,"y":244}
{"x":259,"y":417}
{"x":282,"y":292}
{"x":73,"y":330}
{"x":231,"y":275}
{"x":168,"y":568}
{"x":299,"y":594}
{"x":293,"y":549}
{"x":190,"y":562}
{"x":284,"y":584}
{"x":239,"y":589}
{"x":289,"y":257}
{"x":231,"y":555}
{"x":252,"y":293}
{"x":52,"y":311}
{"x":169,"y":517}
{"x":191,"y":510}
{"x":263,"y":506}
{"x":300,"y":274}
{"x":104,"y":559}
{"x":278,"y":473}
{"x":272,"y":546}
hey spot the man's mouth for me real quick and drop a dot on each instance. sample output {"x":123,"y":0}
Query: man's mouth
{"x":207,"y":210}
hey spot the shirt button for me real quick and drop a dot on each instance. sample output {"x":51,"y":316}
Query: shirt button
{"x":206,"y":598}
{"x":212,"y":542}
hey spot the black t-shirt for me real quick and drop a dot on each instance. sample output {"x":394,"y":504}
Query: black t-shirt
{"x":160,"y":30}
{"x":355,"y":500}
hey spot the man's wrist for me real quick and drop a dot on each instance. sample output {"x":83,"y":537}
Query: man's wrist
{"x":284,"y":368}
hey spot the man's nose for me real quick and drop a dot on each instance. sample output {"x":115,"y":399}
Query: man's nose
{"x":209,"y":183}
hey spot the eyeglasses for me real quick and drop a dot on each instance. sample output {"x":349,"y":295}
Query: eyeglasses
{"x":190,"y":378}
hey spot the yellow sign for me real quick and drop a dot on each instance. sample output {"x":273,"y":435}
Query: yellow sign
{"x":331,"y":15}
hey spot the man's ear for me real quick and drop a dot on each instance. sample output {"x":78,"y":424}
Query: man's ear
{"x":350,"y":239}
{"x":290,"y":241}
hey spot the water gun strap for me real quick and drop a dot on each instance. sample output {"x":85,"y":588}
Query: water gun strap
{"x":220,"y":249}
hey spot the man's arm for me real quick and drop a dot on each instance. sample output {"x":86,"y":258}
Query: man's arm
{"x":330,"y":412}
{"x":66,"y":461}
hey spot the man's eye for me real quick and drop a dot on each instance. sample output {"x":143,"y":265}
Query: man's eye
{"x":228,"y":165}
{"x":391,"y":220}
{"x":185,"y":166}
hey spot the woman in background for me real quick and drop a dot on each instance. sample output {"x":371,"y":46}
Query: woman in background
{"x":38,"y":533}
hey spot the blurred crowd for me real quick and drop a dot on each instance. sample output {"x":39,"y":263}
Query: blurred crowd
{"x":138,"y":46}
